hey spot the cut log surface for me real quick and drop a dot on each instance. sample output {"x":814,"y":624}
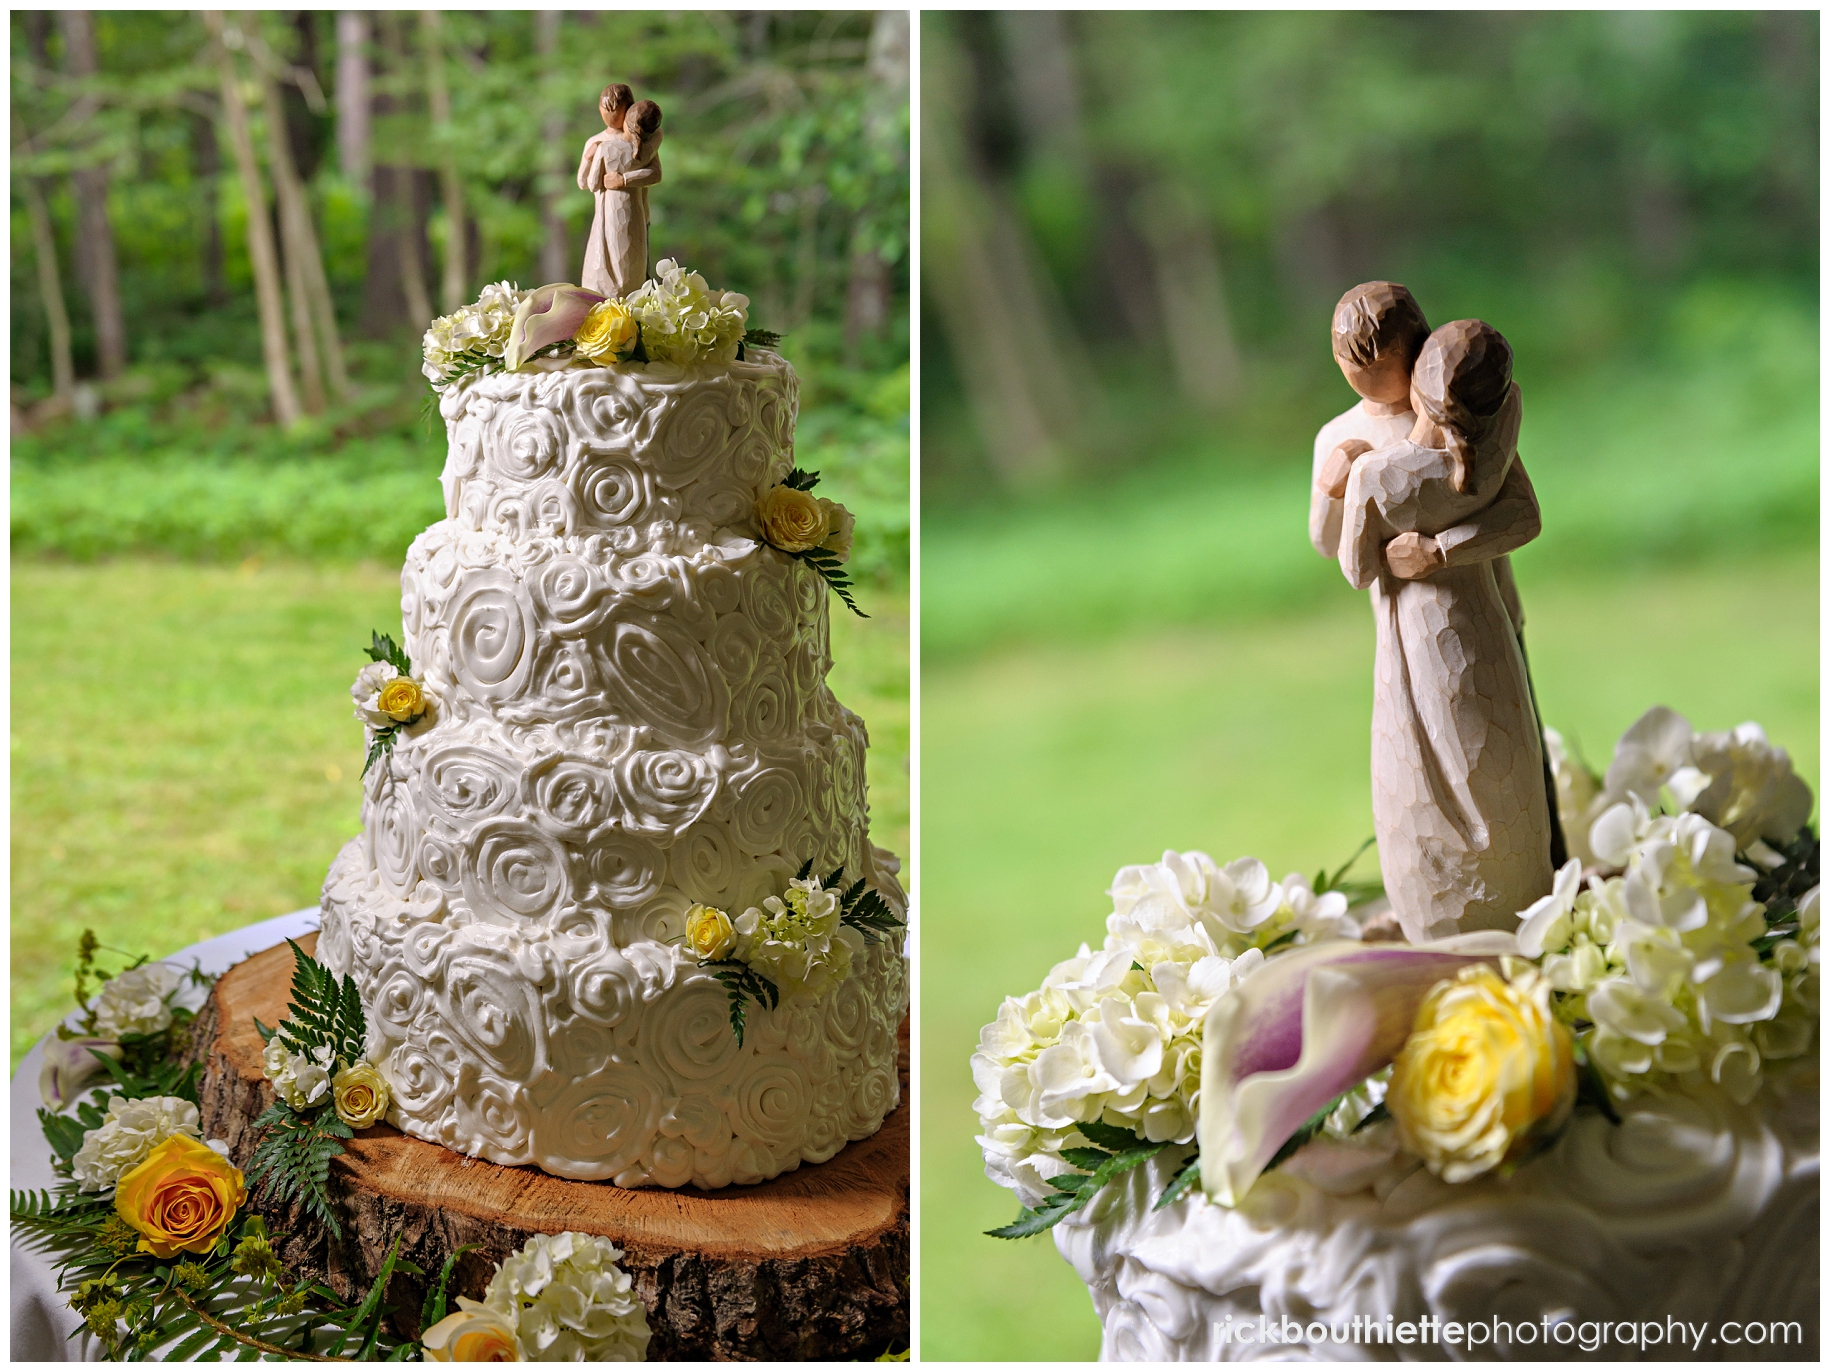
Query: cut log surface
{"x":813,"y":1264}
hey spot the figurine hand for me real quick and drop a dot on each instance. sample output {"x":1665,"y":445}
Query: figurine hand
{"x":1339,"y":466}
{"x":613,"y":181}
{"x":1414,"y":556}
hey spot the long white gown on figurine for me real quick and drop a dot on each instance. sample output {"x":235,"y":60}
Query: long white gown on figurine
{"x":616,"y":255}
{"x":1457,"y":763}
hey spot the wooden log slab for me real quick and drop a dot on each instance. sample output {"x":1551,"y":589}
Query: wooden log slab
{"x":813,"y":1264}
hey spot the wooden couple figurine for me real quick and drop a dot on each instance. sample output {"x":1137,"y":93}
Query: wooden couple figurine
{"x":618,"y":167}
{"x":1419,"y":493}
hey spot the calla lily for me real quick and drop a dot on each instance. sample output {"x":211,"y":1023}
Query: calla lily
{"x":1302,"y":1029}
{"x":549,"y":315}
{"x":68,"y":1063}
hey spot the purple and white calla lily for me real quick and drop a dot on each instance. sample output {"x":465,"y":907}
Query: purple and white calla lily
{"x":1302,"y":1029}
{"x":550,"y":314}
{"x":68,"y":1063}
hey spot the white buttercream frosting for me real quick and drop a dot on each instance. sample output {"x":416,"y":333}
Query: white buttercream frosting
{"x":630,"y":716}
{"x":1693,"y":1207}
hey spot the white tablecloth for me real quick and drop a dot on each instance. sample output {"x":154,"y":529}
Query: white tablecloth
{"x":41,"y":1315}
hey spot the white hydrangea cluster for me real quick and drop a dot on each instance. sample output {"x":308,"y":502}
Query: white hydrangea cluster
{"x":479,"y":328}
{"x":137,"y":1001}
{"x":1671,"y":961}
{"x":1115,"y":1035}
{"x":131,"y":1130}
{"x":302,"y":1080}
{"x":796,"y":940}
{"x":568,"y":1301}
{"x":684,"y":321}
{"x":1735,"y":779}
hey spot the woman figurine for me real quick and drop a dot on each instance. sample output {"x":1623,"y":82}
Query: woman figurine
{"x":1457,"y":763}
{"x":618,"y":167}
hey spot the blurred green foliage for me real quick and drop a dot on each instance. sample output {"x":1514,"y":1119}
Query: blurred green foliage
{"x":1565,"y":176}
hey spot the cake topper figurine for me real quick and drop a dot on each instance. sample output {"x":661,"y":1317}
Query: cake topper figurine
{"x":1420,"y":494}
{"x":618,"y":167}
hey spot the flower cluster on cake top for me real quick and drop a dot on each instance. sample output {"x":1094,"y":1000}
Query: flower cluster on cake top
{"x":1679,"y":951}
{"x":675,"y":317}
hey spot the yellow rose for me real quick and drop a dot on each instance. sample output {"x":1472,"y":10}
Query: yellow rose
{"x":401,"y":699}
{"x":608,"y":333}
{"x":473,"y":1333}
{"x":361,"y":1095}
{"x":709,"y":932}
{"x":792,"y":520}
{"x":1486,"y":1072}
{"x":181,"y":1198}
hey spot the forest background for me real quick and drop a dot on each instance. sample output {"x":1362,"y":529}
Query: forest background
{"x":211,"y":496}
{"x":1134,"y":229}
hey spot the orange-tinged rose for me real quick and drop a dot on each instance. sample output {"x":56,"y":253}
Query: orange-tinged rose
{"x":401,"y":699}
{"x":475,"y":1333}
{"x":181,"y":1198}
{"x":792,"y":520}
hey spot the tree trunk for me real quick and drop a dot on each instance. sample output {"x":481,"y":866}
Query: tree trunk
{"x":554,"y":179}
{"x":867,"y":292}
{"x":1192,"y":295}
{"x":313,"y":312}
{"x":814,"y":1264}
{"x":51,"y":291}
{"x":395,"y":286}
{"x":1025,"y":373}
{"x":353,"y":127}
{"x":262,"y":255}
{"x":94,"y":232}
{"x":454,"y":291}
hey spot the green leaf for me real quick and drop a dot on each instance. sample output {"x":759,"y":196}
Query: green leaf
{"x":383,"y":742}
{"x":1086,"y":1159}
{"x":1108,"y":1137}
{"x":797,"y":480}
{"x":1334,"y":882}
{"x":368,"y":1311}
{"x":1044,"y":1217}
{"x":806,"y":870}
{"x":434,"y":1308}
{"x":1189,"y":1176}
{"x":872,"y":917}
{"x":762,"y":338}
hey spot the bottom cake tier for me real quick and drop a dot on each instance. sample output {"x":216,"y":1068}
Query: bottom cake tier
{"x":606,"y":1064}
{"x":1693,"y":1210}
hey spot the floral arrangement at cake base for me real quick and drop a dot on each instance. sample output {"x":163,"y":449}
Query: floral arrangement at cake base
{"x":1234,"y":1019}
{"x":154,"y":1229}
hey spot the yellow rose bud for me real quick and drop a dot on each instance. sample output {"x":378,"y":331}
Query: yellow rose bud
{"x":792,"y":520}
{"x":709,"y":932}
{"x":608,"y":333}
{"x":474,"y":1333}
{"x":1485,"y":1074}
{"x":401,"y":699}
{"x":181,"y":1198}
{"x":361,"y":1095}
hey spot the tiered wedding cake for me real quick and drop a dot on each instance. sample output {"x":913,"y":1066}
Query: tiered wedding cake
{"x":626,"y":718}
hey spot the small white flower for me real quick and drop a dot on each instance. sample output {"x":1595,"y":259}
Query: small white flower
{"x":1648,"y":754}
{"x":1621,"y":1006}
{"x":684,"y":321}
{"x":302,"y":1080}
{"x":1546,"y":923}
{"x":131,"y":1130}
{"x":569,"y":1301}
{"x":135,"y":1001}
{"x":367,"y":691}
{"x":1752,"y":791}
{"x":1317,"y":917}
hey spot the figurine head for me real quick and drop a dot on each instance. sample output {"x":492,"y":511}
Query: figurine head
{"x":1378,"y":330}
{"x":1460,"y":384}
{"x":614,"y":103}
{"x":643,"y":120}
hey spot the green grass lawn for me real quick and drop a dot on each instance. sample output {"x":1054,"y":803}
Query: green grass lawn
{"x":1046,"y":768}
{"x":184,"y":761}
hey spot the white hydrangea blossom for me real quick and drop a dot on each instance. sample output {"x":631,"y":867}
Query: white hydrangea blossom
{"x":1662,"y":960}
{"x":569,"y":1301}
{"x":302,"y":1080}
{"x":1735,"y":779}
{"x":796,"y":940}
{"x":131,"y":1130}
{"x":479,"y":328}
{"x":684,"y":321}
{"x":136,"y":1001}
{"x":1115,"y":1035}
{"x":367,"y":691}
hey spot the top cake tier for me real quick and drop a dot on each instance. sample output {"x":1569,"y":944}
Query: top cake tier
{"x":655,"y":457}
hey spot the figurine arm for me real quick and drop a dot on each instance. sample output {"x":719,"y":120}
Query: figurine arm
{"x":1509,"y":523}
{"x":587,"y":166}
{"x":643,"y":176}
{"x":1365,"y":530}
